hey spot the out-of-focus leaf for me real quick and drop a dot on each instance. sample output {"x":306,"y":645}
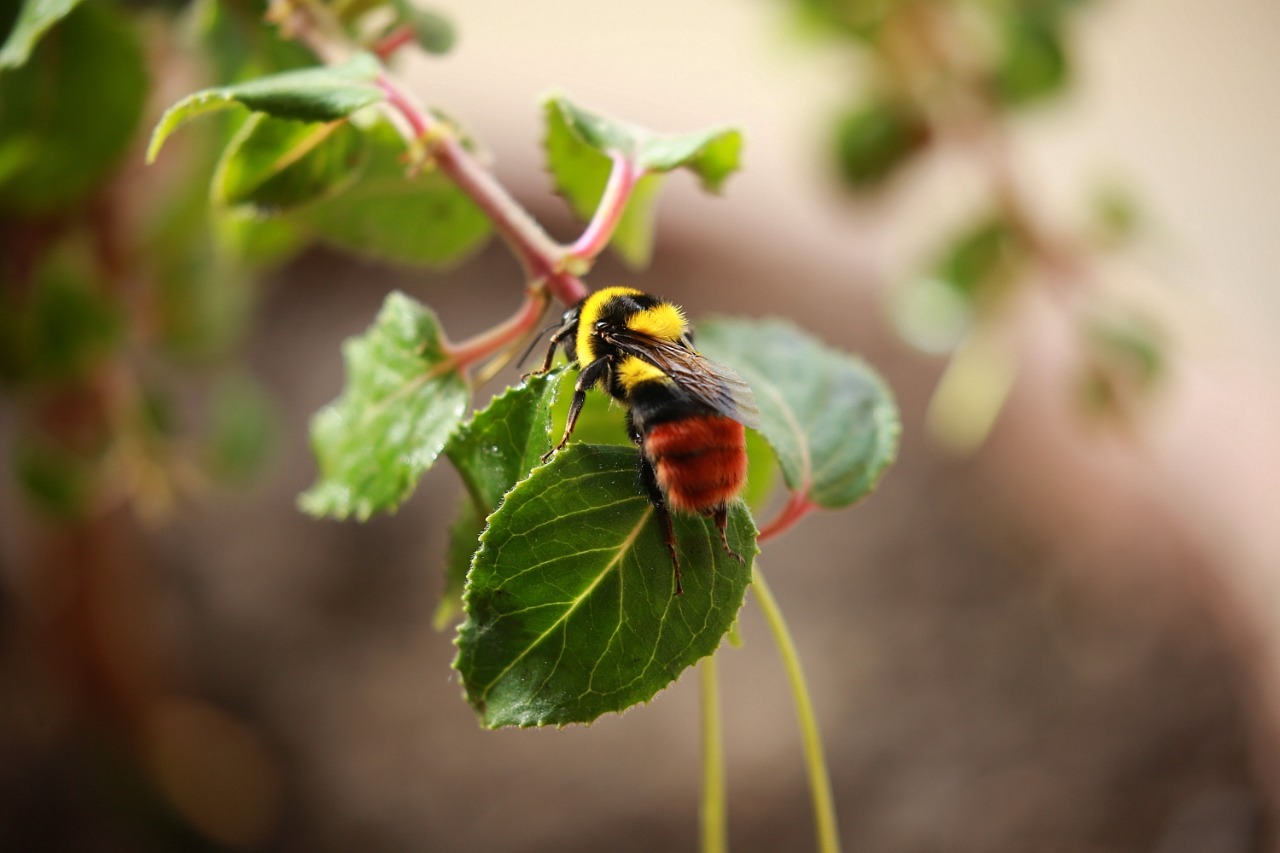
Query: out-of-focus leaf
{"x":433,"y":32}
{"x":981,"y":260}
{"x":242,"y":429}
{"x":570,"y":605}
{"x":1034,"y":65}
{"x":66,"y":327}
{"x":931,"y":314}
{"x":322,"y":94}
{"x":875,"y":140}
{"x":1125,"y":357}
{"x":259,"y":241}
{"x":273,"y":164}
{"x":402,"y":402}
{"x":56,"y":479}
{"x":829,"y":418}
{"x":424,"y":220}
{"x":1117,"y":215}
{"x":858,"y":18}
{"x":239,"y":46}
{"x":34,"y":18}
{"x":69,"y":113}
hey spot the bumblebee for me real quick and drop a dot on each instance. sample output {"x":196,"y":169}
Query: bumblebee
{"x":686,"y":413}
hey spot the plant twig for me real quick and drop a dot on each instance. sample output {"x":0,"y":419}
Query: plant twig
{"x":824,"y":813}
{"x":713,"y":813}
{"x":617,"y":192}
{"x":798,"y":506}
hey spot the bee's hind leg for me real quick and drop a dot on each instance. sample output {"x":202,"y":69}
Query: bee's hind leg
{"x":721,"y":514}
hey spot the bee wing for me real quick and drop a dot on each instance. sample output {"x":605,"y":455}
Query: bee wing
{"x":710,"y":382}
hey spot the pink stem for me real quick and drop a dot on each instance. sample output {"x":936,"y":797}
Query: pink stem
{"x":797,"y":508}
{"x":617,"y":192}
{"x":393,"y":41}
{"x":494,"y":340}
{"x":542,"y":257}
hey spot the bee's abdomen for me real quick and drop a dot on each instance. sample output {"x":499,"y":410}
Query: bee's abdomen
{"x":700,"y":461}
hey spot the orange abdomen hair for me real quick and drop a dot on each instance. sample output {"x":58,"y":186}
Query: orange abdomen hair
{"x":700,"y":461}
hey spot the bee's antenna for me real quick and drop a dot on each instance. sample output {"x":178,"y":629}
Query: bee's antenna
{"x":534,"y":342}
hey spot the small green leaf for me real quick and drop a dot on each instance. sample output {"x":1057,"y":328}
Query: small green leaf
{"x":1125,"y":356}
{"x":875,"y":140}
{"x":464,"y":539}
{"x":242,"y":430}
{"x":502,"y":443}
{"x":35,"y":17}
{"x":322,"y":94}
{"x":61,"y":331}
{"x":570,"y":605}
{"x":1034,"y":65}
{"x":274,"y":164}
{"x":56,"y":478}
{"x":579,"y":145}
{"x":434,"y":32}
{"x":421,"y":220}
{"x":982,"y":260}
{"x":402,"y":402}
{"x":68,"y":115}
{"x":492,"y":452}
{"x":829,"y":418}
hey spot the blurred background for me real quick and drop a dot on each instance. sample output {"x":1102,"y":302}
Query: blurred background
{"x":1051,"y":225}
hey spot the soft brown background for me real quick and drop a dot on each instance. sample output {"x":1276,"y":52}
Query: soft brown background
{"x":1067,"y":642}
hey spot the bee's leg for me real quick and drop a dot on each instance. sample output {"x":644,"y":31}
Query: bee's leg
{"x":649,"y":479}
{"x":722,"y":524}
{"x":587,"y":378}
{"x":561,"y":333}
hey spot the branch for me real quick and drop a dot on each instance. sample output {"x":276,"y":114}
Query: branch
{"x":613,"y":203}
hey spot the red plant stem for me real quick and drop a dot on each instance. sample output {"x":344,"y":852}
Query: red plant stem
{"x":542,"y":257}
{"x":494,"y":340}
{"x":386,"y":46}
{"x":797,"y":508}
{"x":622,"y":180}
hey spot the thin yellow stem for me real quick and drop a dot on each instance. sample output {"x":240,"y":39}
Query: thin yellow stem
{"x":824,"y":813}
{"x":714,"y":813}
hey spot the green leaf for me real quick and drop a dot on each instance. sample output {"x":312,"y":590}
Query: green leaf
{"x":433,"y":32}
{"x":981,"y":261}
{"x":1034,"y":65}
{"x":1125,"y":356}
{"x":570,"y":605}
{"x":464,"y":539}
{"x":875,"y":140}
{"x":492,"y":452}
{"x":402,"y":402}
{"x":68,"y":115}
{"x":242,"y":431}
{"x":829,"y":418}
{"x":579,"y":145}
{"x":275,"y":164}
{"x":56,"y":478}
{"x":326,"y":93}
{"x":502,"y":443}
{"x":422,"y":220}
{"x":63,"y":328}
{"x":861,"y":19}
{"x":35,"y":17}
